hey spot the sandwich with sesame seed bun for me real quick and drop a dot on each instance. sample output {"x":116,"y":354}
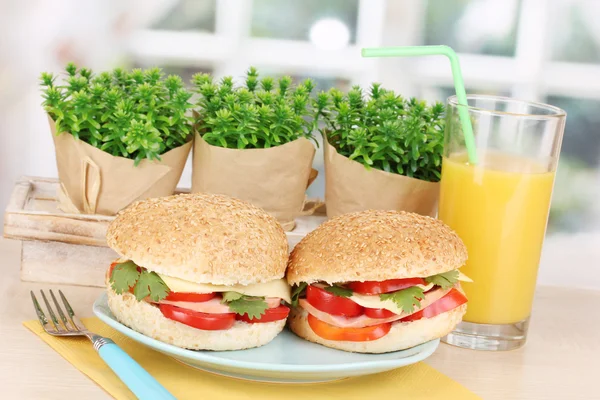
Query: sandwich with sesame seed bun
{"x":376,"y":282}
{"x":199,"y":271}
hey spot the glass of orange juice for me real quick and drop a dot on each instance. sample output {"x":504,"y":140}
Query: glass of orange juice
{"x":499,"y":207}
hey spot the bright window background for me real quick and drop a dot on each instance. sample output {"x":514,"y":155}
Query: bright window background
{"x":458,"y":23}
{"x":542,"y":50}
{"x":293,"y":20}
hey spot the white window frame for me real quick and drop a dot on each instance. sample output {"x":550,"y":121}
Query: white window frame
{"x":230,"y":50}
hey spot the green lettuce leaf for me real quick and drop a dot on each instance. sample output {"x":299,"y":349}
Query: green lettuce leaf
{"x":298,"y":291}
{"x":338,"y":291}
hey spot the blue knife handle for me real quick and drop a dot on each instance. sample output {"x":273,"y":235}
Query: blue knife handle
{"x":137,"y":379}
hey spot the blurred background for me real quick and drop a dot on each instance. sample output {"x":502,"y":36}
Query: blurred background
{"x":542,"y":50}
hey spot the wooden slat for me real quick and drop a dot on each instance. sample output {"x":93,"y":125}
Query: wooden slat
{"x":18,"y":197}
{"x":26,"y":224}
{"x":63,"y":263}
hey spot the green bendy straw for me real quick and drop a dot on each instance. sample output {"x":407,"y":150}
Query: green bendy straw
{"x":461,"y":95}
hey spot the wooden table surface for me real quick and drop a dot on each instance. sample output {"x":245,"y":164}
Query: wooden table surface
{"x":560,"y":361}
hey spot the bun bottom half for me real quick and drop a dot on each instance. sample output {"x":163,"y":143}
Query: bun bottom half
{"x":402,"y":335}
{"x":148,"y":320}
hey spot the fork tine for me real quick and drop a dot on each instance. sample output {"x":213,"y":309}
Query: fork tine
{"x":60,"y":312}
{"x":40,"y":314}
{"x":52,"y":316}
{"x":72,"y":317}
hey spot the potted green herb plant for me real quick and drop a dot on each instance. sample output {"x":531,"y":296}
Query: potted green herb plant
{"x":381,"y":151}
{"x":119,"y":136}
{"x":253,"y":142}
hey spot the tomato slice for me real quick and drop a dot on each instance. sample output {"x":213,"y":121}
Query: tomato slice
{"x":330,"y":303}
{"x":391,"y":285}
{"x":450,"y":301}
{"x":330,"y":332}
{"x":190,"y":297}
{"x":378,"y":313}
{"x":198,"y":320}
{"x":112,"y":266}
{"x":270,"y":315}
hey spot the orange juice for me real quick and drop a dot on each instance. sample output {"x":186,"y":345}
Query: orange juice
{"x":500,"y":209}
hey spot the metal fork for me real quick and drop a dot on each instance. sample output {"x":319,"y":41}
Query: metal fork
{"x":140,"y":382}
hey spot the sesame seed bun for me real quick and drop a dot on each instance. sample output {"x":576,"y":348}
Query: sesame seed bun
{"x":203,"y":238}
{"x":148,"y":320}
{"x":403,"y":335}
{"x":375,"y":246}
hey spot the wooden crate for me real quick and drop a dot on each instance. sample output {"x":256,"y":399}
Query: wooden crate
{"x":59,"y":247}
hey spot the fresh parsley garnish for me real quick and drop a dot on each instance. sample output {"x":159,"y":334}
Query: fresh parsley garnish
{"x":445,"y":280}
{"x":127,"y":275}
{"x":297,"y":292}
{"x":150,"y":284}
{"x":339,"y":291}
{"x":241,"y":304}
{"x":406,"y":299}
{"x":409,"y":298}
{"x":124,"y":276}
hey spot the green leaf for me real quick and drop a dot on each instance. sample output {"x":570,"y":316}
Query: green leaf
{"x":150,"y":284}
{"x":124,"y":276}
{"x":241,"y":304}
{"x":96,"y":108}
{"x":258,"y":115}
{"x":405,"y":299}
{"x":298,"y":291}
{"x":231,"y":296}
{"x":384,"y":131}
{"x":338,"y":291}
{"x":445,"y":280}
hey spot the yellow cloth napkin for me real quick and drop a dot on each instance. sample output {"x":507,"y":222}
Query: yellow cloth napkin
{"x":418,"y":381}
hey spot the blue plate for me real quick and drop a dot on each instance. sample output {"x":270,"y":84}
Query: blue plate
{"x":287,"y":359}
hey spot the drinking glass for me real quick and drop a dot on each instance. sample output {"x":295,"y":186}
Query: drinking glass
{"x":499,"y":207}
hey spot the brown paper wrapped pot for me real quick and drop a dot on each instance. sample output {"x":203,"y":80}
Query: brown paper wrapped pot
{"x":274,"y":179}
{"x":350,"y":187}
{"x":95,"y":182}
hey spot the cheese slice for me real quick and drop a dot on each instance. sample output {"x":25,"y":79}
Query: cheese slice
{"x":462,"y":277}
{"x":373,"y":301}
{"x":277,"y":288}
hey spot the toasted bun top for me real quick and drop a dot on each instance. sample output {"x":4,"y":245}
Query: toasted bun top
{"x":375,"y":246}
{"x":203,"y":238}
